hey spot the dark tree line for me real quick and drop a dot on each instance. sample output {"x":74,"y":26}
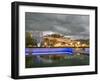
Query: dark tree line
{"x":30,"y":41}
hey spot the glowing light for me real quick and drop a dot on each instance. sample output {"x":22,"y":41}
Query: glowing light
{"x":42,"y":51}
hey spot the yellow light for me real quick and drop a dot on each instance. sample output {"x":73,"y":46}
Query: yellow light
{"x":78,"y":42}
{"x":58,"y":44}
{"x":71,"y":43}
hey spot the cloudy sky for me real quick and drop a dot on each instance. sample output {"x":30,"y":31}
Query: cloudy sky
{"x":67,"y":24}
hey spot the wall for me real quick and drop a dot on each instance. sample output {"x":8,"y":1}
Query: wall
{"x":5,"y":38}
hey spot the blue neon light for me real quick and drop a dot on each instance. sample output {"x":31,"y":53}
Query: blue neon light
{"x":42,"y":51}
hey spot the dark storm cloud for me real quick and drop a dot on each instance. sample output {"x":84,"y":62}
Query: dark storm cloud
{"x":76,"y":25}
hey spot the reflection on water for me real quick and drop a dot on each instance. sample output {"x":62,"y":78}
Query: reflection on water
{"x":78,"y":56}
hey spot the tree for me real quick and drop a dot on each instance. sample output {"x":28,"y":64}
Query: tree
{"x":29,"y":40}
